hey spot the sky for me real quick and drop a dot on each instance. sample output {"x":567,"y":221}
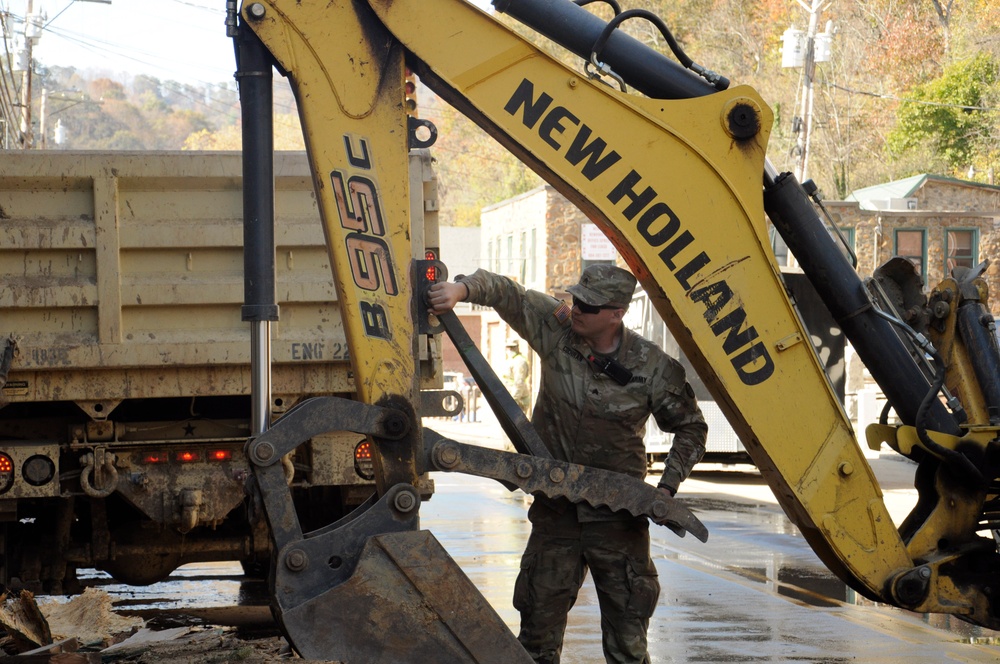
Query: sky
{"x":179,"y":40}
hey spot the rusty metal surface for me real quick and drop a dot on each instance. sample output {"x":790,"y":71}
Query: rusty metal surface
{"x":106,"y":271}
{"x":558,"y":479}
{"x":407,"y":601}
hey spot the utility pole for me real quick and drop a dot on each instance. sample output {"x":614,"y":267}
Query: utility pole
{"x":805,"y":50}
{"x":26,"y":137}
{"x":41,"y":118}
{"x":806,"y":114}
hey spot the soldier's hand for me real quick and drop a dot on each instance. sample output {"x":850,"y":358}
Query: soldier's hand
{"x":444,"y":295}
{"x":680,"y":532}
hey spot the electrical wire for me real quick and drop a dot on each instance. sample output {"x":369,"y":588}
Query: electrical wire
{"x":908,"y":101}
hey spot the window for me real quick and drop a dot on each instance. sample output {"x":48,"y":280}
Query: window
{"x":510,"y":254}
{"x":489,"y":256}
{"x":848,"y":233}
{"x":961,"y":248}
{"x":531,"y":256}
{"x":523,"y":258}
{"x":912,"y":244}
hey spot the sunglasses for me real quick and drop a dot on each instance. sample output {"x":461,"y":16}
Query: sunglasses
{"x":591,"y":308}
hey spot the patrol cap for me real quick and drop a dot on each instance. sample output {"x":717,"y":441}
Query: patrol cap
{"x":605,"y":284}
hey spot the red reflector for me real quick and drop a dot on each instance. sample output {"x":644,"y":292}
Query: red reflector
{"x":187,"y":456}
{"x":6,"y":465}
{"x":220,"y":455}
{"x":431,"y":271}
{"x":155,"y":457}
{"x":363,"y":452}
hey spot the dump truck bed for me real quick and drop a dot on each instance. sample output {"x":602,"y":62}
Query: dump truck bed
{"x":123,"y":278}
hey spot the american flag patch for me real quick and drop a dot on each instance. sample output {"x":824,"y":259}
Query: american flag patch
{"x":562,"y":313}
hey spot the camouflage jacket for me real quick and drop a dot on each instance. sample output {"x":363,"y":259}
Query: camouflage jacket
{"x":583,"y":415}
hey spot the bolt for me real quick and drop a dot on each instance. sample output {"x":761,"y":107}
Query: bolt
{"x":660,"y":509}
{"x":743,"y":122}
{"x":448,"y":456}
{"x":573,"y":82}
{"x":263,"y":451}
{"x":256,"y":11}
{"x":296,"y":560}
{"x":405,"y":501}
{"x":845,"y":468}
{"x":557,"y":475}
{"x":523,"y":469}
{"x":911,"y":587}
{"x":395,"y":425}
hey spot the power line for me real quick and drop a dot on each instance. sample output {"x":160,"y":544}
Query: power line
{"x":910,"y":101}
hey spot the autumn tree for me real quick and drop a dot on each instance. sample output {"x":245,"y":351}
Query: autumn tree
{"x":955,"y":115}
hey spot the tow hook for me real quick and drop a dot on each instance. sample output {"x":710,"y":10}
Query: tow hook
{"x":99,"y":477}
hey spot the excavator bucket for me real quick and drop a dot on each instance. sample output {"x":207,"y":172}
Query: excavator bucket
{"x":370,"y":587}
{"x":407,"y":601}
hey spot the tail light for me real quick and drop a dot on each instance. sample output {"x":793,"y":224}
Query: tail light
{"x":187,"y":456}
{"x":364,"y":466}
{"x":6,"y":472}
{"x":431,"y":255}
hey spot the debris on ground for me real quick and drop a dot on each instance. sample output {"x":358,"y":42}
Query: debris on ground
{"x":90,"y":618}
{"x":24,"y":623}
{"x":86,"y":630}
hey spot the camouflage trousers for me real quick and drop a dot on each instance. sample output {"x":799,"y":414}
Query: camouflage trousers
{"x":559,"y":553}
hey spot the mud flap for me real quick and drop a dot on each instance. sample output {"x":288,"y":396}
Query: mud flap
{"x":343,"y":594}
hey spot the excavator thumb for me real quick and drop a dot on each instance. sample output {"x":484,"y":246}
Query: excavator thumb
{"x":345,"y":594}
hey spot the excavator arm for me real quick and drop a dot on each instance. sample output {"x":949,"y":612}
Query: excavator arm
{"x":677,"y":179}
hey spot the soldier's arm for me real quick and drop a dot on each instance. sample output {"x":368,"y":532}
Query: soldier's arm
{"x":533,"y":315}
{"x":677,"y":412}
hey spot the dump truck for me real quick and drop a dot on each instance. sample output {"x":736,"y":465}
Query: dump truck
{"x":126,"y":392}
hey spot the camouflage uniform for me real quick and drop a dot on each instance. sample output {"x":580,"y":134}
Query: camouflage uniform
{"x":586,"y":417}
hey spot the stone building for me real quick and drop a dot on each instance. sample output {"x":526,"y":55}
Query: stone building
{"x":937,"y":222}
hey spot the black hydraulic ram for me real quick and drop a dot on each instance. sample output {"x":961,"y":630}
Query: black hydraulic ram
{"x":577,"y":30}
{"x":254,"y":74}
{"x":975,"y":324}
{"x":838,"y":284}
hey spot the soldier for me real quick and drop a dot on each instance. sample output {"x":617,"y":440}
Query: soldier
{"x":518,"y":377}
{"x":600,"y":383}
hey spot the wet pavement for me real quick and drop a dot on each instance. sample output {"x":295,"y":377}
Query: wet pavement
{"x":754,"y":593}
